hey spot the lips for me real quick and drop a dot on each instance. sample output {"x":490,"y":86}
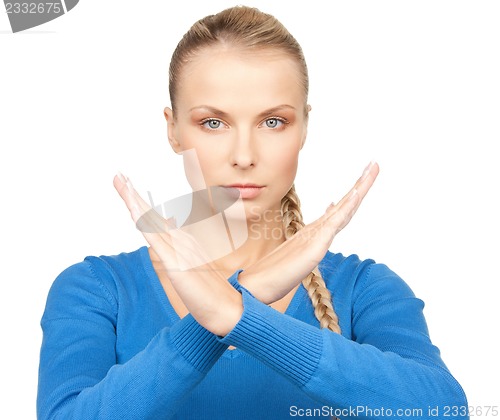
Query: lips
{"x":245,"y":191}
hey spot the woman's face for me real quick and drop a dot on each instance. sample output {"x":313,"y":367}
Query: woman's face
{"x":244,"y":114}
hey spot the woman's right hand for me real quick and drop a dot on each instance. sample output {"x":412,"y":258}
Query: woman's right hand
{"x":208,"y":296}
{"x":275,"y":275}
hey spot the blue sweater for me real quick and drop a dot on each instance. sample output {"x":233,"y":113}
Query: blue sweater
{"x":114,"y":348}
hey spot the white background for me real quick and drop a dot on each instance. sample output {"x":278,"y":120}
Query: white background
{"x":413,"y":85}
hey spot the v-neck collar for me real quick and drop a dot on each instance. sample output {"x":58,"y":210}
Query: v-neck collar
{"x":173,"y":317}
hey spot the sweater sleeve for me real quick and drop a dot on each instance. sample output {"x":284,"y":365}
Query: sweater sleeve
{"x":78,"y":373}
{"x":389,"y":368}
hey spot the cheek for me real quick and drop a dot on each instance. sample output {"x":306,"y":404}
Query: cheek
{"x":284,"y":168}
{"x":199,"y":158}
{"x":193,"y":167}
{"x":287,"y":164}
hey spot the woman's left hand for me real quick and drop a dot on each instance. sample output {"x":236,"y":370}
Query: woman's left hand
{"x":274,"y":275}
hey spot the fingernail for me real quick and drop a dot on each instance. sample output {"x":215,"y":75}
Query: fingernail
{"x":367,"y":170}
{"x":122,"y":177}
{"x":129,"y":185}
{"x":353,"y":194}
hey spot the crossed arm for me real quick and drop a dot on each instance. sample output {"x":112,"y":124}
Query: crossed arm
{"x":390,"y":362}
{"x":214,"y":303}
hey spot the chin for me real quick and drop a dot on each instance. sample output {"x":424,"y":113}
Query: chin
{"x":260,"y":212}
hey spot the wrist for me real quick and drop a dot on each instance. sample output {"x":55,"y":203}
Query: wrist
{"x":229,"y":315}
{"x":254,"y":285}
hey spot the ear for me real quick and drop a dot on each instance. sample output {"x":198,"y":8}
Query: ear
{"x":171,"y":132}
{"x":306,"y":121}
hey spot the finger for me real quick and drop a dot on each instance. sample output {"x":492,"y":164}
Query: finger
{"x":150,"y":223}
{"x":367,"y":179}
{"x":147,"y":220}
{"x":343,"y":213}
{"x":162,"y":234}
{"x":360,"y":189}
{"x":363,"y":184}
{"x":340,"y":215}
{"x":120,"y":184}
{"x":123,"y":185}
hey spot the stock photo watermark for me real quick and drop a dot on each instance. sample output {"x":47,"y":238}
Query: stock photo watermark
{"x":211,"y":222}
{"x":364,"y":411}
{"x":29,"y":14}
{"x":224,"y":220}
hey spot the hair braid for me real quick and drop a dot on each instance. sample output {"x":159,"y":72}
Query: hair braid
{"x":314,"y":284}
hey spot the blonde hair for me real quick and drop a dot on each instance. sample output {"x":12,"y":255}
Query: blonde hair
{"x":243,"y":28}
{"x":250,"y":30}
{"x":319,"y":294}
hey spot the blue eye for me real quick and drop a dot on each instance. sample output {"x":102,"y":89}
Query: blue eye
{"x":212,"y":124}
{"x":273,"y":123}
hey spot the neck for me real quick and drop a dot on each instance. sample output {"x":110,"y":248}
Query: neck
{"x":235,"y":238}
{"x":263,"y":238}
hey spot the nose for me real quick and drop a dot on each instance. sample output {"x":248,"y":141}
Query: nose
{"x":243,"y":150}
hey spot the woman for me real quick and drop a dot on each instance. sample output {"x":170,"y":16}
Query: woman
{"x":277,"y":326}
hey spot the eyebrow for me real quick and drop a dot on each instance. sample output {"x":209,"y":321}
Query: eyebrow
{"x":223,"y":114}
{"x":276,"y":109}
{"x":210,"y":109}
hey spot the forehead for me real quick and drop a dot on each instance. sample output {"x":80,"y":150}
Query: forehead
{"x":225,"y":76}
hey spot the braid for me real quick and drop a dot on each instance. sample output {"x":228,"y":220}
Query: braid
{"x":314,"y":284}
